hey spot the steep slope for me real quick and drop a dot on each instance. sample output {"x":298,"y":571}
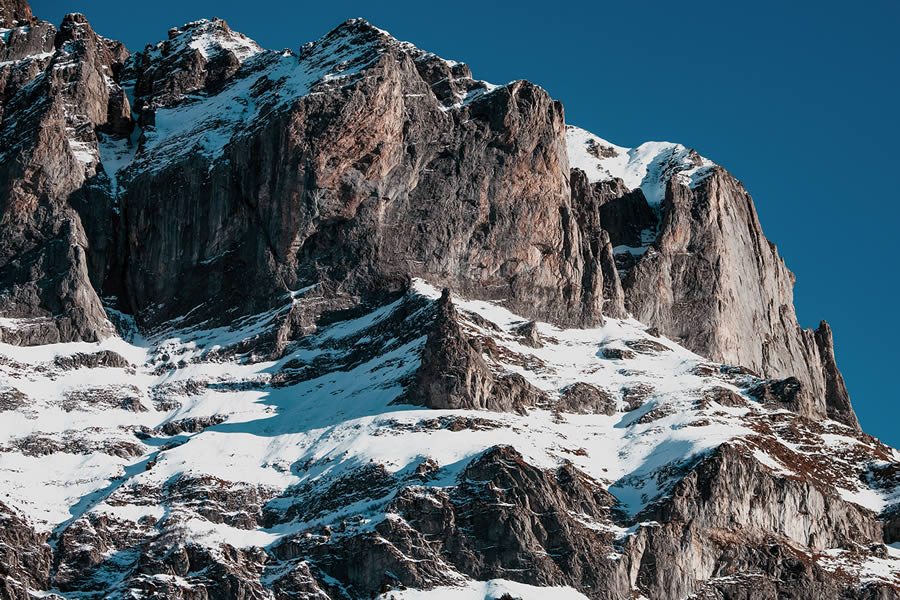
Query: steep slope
{"x":227,"y":369}
{"x":701,"y":270}
{"x":613,"y":462}
{"x":58,"y":90}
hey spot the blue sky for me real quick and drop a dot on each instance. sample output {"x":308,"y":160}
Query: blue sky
{"x":798,"y":99}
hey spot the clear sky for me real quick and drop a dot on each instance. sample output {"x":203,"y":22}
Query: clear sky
{"x":798,"y":99}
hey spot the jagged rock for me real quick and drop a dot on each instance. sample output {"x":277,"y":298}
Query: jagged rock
{"x":530,"y":335}
{"x":81,"y":360}
{"x":15,"y":13}
{"x":110,"y":396}
{"x":597,"y":243}
{"x":453,"y":373}
{"x":634,"y":396}
{"x":617,"y":354}
{"x":724,"y":397}
{"x":199,"y":57}
{"x":25,"y":557}
{"x":646,"y":346}
{"x":892,"y":527}
{"x":732,"y":291}
{"x":837,"y":400}
{"x":49,"y":126}
{"x":507,"y":519}
{"x":43,"y":445}
{"x":611,"y":206}
{"x":704,"y":516}
{"x":11,"y":399}
{"x":585,"y":398}
{"x":189,"y":425}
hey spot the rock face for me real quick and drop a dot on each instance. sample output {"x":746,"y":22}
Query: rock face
{"x":49,"y":138}
{"x":453,"y":373}
{"x":15,"y":13}
{"x":272,"y":399}
{"x":702,"y":272}
{"x":713,"y":280}
{"x":363,"y":182}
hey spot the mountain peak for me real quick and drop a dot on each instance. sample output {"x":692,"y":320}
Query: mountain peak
{"x":228,"y":370}
{"x":209,"y":37}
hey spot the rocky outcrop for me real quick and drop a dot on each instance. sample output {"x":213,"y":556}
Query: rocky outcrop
{"x":50,"y":153}
{"x":25,"y":557}
{"x":837,"y":400}
{"x":591,"y":207}
{"x":714,"y":282}
{"x":505,"y":520}
{"x":454,"y":374}
{"x":15,"y":13}
{"x":587,"y":399}
{"x":700,"y":525}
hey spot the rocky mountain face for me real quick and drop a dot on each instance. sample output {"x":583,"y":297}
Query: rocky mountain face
{"x":228,"y":370}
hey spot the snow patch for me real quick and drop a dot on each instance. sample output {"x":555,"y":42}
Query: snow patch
{"x":648,"y":167}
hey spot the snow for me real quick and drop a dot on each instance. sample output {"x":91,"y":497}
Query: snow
{"x":637,"y":455}
{"x":209,"y":37}
{"x":83,"y":151}
{"x":39,"y":56}
{"x":487,"y":590}
{"x":771,"y":463}
{"x":648,"y":167}
{"x":205,"y":125}
{"x":323,"y":429}
{"x":116,"y":154}
{"x":864,"y":568}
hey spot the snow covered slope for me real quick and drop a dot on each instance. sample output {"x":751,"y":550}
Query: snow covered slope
{"x":648,"y":167}
{"x":181,"y":437}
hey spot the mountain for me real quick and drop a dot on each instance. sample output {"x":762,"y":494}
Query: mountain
{"x":347,"y":322}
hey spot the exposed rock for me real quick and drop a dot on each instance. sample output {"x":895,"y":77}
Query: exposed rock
{"x":714,"y":282}
{"x":11,"y":399}
{"x":49,"y":155}
{"x":611,"y":206}
{"x":103,"y":358}
{"x":645,"y":346}
{"x":530,"y":335}
{"x":42,"y":445}
{"x":787,"y":393}
{"x":635,"y":396}
{"x":110,"y":396}
{"x":704,"y":517}
{"x":454,"y":374}
{"x":585,"y":398}
{"x":724,"y":397}
{"x":617,"y":353}
{"x":15,"y":13}
{"x":597,"y":243}
{"x":507,"y":519}
{"x":198,"y":57}
{"x":189,"y":425}
{"x":837,"y":400}
{"x":25,"y":557}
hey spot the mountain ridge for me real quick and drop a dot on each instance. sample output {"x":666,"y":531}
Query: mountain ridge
{"x":227,"y":360}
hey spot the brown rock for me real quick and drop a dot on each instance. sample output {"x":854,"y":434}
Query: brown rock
{"x":585,"y":398}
